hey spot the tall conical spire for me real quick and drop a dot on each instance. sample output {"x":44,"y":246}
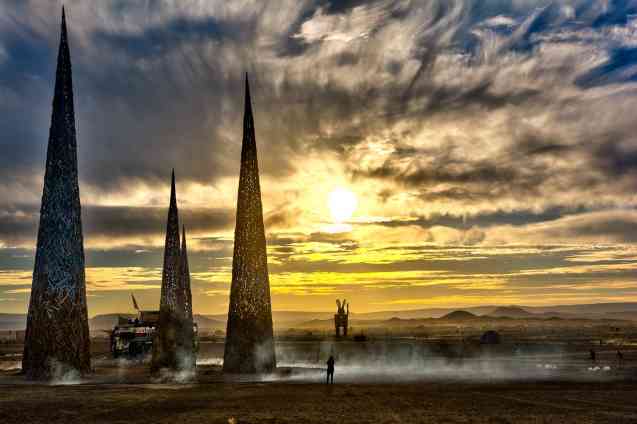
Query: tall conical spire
{"x":185,"y":333}
{"x":184,"y":277}
{"x":249,"y":338}
{"x":57,"y":335}
{"x":170,"y":273}
{"x":164,"y":347}
{"x":248,"y":121}
{"x":173,"y":196}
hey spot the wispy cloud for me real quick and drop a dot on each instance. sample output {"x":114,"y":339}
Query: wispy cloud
{"x":488,"y":143}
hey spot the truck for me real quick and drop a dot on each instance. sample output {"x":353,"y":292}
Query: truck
{"x":133,"y":337}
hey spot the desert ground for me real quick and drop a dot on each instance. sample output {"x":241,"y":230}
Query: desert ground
{"x":286,"y":402}
{"x":376,"y":381}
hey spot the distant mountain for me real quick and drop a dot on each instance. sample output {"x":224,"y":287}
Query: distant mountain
{"x":13,"y":321}
{"x":284,"y":316}
{"x":106,"y":322}
{"x":286,"y":319}
{"x":511,"y":312}
{"x":420,"y":313}
{"x":459,"y":316}
{"x":205,"y":322}
{"x":628,"y":315}
{"x":587,"y":309}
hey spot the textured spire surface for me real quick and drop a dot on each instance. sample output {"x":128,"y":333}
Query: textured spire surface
{"x":165,"y":344}
{"x":57,"y":334}
{"x":249,"y":344}
{"x":185,"y":299}
{"x":185,"y":340}
{"x":170,"y":273}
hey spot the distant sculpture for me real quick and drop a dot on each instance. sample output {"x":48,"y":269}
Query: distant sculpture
{"x":249,"y":344}
{"x":173,"y":346}
{"x":57,"y":334}
{"x":341,"y":318}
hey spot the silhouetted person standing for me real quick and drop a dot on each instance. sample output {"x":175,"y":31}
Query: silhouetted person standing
{"x":330,"y":370}
{"x":620,"y":359}
{"x":593,"y":357}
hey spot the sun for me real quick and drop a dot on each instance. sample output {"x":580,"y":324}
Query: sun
{"x":342,"y":203}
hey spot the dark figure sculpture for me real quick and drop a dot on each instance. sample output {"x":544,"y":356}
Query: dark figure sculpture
{"x":341,"y":318}
{"x":330,"y":370}
{"x":249,"y":338}
{"x":173,"y":344}
{"x":57,"y":334}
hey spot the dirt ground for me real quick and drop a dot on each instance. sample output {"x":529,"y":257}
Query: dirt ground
{"x":562,"y":387}
{"x":316,"y":403}
{"x":216,"y":398}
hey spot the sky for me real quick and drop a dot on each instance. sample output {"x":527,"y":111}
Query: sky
{"x":484,"y":149}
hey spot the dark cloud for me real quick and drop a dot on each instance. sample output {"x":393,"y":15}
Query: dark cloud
{"x":18,"y":224}
{"x":168,"y":92}
{"x":616,"y":226}
{"x":485,"y":219}
{"x":126,"y":221}
{"x":164,"y":89}
{"x":160,"y":39}
{"x":284,"y":216}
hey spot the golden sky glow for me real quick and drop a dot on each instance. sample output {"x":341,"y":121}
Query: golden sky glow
{"x":412,"y":154}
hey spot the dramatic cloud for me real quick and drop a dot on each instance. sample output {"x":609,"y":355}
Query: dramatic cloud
{"x":490,"y":144}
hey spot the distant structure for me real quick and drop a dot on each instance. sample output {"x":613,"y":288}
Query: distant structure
{"x":173,"y":346}
{"x":341,"y":317}
{"x":57,"y":334}
{"x":249,"y":337}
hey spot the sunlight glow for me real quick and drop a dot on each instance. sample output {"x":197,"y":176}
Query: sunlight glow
{"x":342,"y":203}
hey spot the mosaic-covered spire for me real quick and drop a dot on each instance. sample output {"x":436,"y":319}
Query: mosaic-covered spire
{"x":165,"y":344}
{"x":249,"y":337}
{"x":170,"y":273}
{"x":185,"y":340}
{"x":57,"y":335}
{"x":185,"y":301}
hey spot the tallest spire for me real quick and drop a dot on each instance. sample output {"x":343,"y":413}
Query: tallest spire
{"x":63,"y":98}
{"x":63,"y":23}
{"x":249,"y":340}
{"x":57,"y":324}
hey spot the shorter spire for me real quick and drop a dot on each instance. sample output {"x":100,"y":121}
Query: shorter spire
{"x":173,"y":191}
{"x":184,"y":277}
{"x":248,"y":102}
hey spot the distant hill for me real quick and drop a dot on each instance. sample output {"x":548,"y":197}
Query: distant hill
{"x":420,"y":313}
{"x":13,"y":321}
{"x":286,"y":319}
{"x":511,"y":312}
{"x":588,"y":309}
{"x":108,"y":321}
{"x":285,"y":316}
{"x":459,"y":316}
{"x":205,"y":322}
{"x":628,"y":315}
